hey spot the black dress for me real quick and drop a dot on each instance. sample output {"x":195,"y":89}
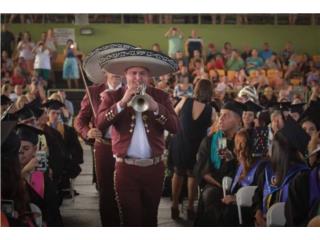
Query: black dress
{"x":184,"y":146}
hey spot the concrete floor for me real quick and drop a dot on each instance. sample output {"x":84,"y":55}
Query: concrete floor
{"x":83,"y":211}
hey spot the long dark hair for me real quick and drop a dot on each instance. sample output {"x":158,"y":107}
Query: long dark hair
{"x":283,"y":156}
{"x":247,"y":149}
{"x":203,"y":91}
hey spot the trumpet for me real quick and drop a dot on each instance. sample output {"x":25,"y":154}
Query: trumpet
{"x":139,"y":101}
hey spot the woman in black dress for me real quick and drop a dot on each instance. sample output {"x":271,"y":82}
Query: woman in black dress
{"x":195,"y":116}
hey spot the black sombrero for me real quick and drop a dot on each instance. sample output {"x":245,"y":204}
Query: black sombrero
{"x":157,"y":63}
{"x":91,"y":62}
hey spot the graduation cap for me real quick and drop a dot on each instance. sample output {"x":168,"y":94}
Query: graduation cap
{"x":53,"y":105}
{"x":252,"y":107}
{"x":280,"y":106}
{"x":298,"y":108}
{"x":24,"y":113}
{"x":295,"y":135}
{"x":10,"y":143}
{"x":312,"y":113}
{"x":5,"y":100}
{"x":28,"y":133}
{"x":6,"y":129}
{"x":35,"y":107}
{"x":235,"y":106}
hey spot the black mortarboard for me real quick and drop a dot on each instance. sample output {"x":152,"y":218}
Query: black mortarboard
{"x":235,"y":106}
{"x":35,"y":107}
{"x":252,"y":107}
{"x":295,"y":135}
{"x":6,"y":129}
{"x":280,"y":106}
{"x":24,"y":113}
{"x":5,"y":100}
{"x":28,"y":133}
{"x":10,"y":143}
{"x":312,"y":113}
{"x":53,"y":105}
{"x":297,"y":108}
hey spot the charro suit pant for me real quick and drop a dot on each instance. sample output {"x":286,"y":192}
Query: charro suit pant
{"x":105,"y":164}
{"x":138,"y":192}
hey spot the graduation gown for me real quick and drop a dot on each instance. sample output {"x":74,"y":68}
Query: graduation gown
{"x":263,"y":203}
{"x":210,"y":206}
{"x":298,"y":209}
{"x":48,"y":204}
{"x":57,"y":153}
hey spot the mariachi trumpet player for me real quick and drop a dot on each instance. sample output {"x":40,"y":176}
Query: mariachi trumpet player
{"x":85,"y":125}
{"x":138,"y":134}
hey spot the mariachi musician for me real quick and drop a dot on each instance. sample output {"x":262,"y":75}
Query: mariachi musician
{"x":85,"y":126}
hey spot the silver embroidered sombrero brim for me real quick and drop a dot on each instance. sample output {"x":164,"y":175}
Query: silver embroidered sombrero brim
{"x":91,"y":63}
{"x":157,"y":63}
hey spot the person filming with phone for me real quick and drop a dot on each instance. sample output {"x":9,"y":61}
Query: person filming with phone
{"x":34,"y":169}
{"x":215,"y":160}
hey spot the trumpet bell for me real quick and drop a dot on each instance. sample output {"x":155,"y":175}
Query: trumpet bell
{"x":140,"y":103}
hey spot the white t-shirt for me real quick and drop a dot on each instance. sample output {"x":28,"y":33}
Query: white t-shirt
{"x":26,"y":51}
{"x":42,"y":59}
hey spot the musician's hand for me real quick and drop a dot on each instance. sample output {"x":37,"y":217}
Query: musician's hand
{"x":226,"y":154}
{"x":153,"y":105}
{"x":130,"y":92}
{"x":94,"y":133}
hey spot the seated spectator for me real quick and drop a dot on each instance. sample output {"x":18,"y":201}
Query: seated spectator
{"x":6,"y":90}
{"x":254,"y":62}
{"x":18,"y":92}
{"x":198,"y":68}
{"x":268,"y":97}
{"x":266,"y":52}
{"x":183,"y":88}
{"x":286,"y":53}
{"x":175,"y":43}
{"x":219,"y":62}
{"x":212,"y":51}
{"x":235,"y":62}
{"x":313,"y":76}
{"x":17,"y":77}
{"x":195,"y":61}
{"x":273,"y":62}
{"x":181,"y":57}
{"x":226,"y":51}
{"x":6,"y":78}
{"x":246,"y":53}
{"x":6,"y":62}
{"x":21,"y":102}
{"x":194,"y":42}
{"x":156,"y":47}
{"x":163,"y":84}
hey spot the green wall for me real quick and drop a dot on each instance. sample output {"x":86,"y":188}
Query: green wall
{"x":304,"y":38}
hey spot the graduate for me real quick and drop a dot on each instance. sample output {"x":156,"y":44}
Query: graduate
{"x":250,"y":149}
{"x":250,"y":114}
{"x":34,"y":170}
{"x":215,"y":160}
{"x":15,"y":210}
{"x":72,"y":146}
{"x":287,"y":160}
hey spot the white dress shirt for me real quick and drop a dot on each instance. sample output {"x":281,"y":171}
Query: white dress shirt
{"x":139,"y":146}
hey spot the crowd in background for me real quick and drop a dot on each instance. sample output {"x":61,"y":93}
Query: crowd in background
{"x":283,"y":76}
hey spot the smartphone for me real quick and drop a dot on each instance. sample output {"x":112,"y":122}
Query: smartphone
{"x":42,"y":161}
{"x":222,"y":143}
{"x":7,"y":206}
